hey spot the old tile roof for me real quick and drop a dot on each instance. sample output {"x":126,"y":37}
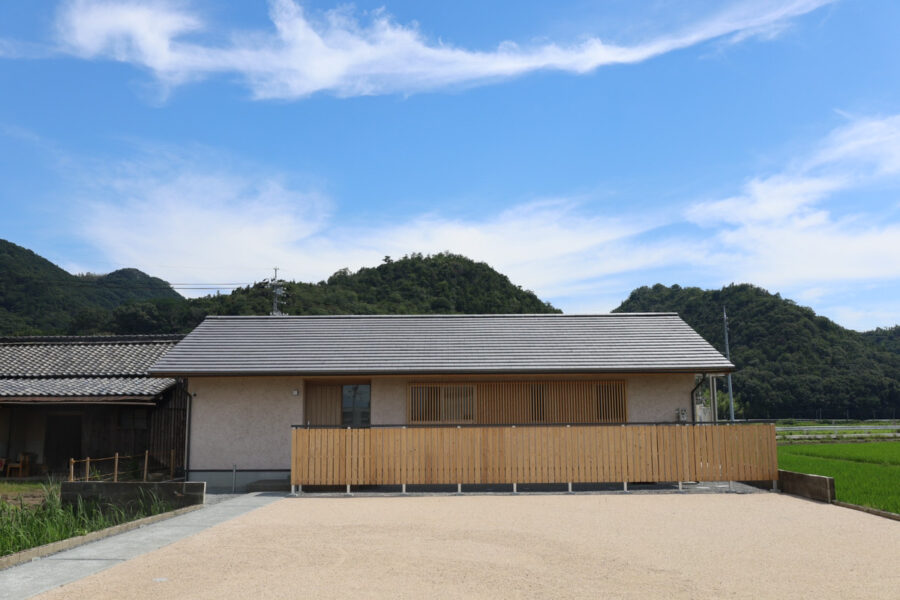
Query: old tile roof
{"x":85,"y":386}
{"x":426,"y":344}
{"x":84,"y":366}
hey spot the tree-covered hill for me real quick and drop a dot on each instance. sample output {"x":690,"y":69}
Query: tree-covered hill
{"x":416,"y":284}
{"x":38,"y":297}
{"x":790,"y":361}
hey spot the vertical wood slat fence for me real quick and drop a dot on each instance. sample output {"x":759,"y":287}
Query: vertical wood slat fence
{"x":533,"y":454}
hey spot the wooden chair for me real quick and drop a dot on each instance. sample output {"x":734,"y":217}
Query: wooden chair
{"x":21,"y":466}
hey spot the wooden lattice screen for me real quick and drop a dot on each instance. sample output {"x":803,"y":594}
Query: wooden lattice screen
{"x":492,"y":403}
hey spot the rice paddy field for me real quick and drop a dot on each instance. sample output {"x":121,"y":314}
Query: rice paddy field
{"x":867,"y":474}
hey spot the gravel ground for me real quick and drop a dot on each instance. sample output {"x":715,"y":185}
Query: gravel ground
{"x":570,"y":546}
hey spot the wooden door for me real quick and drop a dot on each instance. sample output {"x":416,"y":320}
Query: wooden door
{"x":323,"y":404}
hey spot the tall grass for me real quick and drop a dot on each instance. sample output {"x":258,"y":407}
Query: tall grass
{"x":23,"y":527}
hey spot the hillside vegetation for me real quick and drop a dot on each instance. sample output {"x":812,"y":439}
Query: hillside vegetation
{"x":37,"y":297}
{"x":790,"y":361}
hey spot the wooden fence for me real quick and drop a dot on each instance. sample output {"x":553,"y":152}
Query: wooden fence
{"x":533,"y":454}
{"x":108,"y":469}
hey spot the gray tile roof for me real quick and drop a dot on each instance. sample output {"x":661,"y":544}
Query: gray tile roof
{"x":107,"y":368}
{"x":81,"y":356}
{"x":426,"y":344}
{"x":85,"y":386}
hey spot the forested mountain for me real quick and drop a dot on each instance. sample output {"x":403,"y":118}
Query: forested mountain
{"x":790,"y":361}
{"x":36,"y":296}
{"x":416,"y":284}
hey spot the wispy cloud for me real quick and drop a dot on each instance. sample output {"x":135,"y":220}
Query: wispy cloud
{"x":174,"y":216}
{"x":781,"y":229}
{"x":178,"y":215}
{"x":339,"y":53}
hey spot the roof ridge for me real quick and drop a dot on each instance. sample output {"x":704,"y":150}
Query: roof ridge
{"x":442,"y":316}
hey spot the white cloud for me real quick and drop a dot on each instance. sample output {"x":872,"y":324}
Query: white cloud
{"x":179,"y":220}
{"x":336,"y":52}
{"x":780,"y":231}
{"x":191,"y":219}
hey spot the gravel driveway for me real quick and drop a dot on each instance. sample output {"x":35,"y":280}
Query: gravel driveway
{"x":570,"y":546}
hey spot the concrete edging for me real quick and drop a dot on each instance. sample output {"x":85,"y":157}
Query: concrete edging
{"x":24,"y":556}
{"x":805,"y":485}
{"x":867,"y":509}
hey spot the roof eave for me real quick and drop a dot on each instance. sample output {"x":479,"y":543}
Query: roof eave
{"x":700,"y":369}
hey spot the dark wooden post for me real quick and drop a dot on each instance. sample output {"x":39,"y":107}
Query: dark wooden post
{"x":172,"y":464}
{"x":71,"y":469}
{"x":116,"y":467}
{"x":87,"y":468}
{"x":146,"y":462}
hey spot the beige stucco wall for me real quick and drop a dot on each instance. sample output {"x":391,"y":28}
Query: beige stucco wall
{"x":389,"y":401}
{"x":244,"y":421}
{"x":651,"y":398}
{"x":654,"y":398}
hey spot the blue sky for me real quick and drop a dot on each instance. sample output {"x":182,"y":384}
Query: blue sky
{"x":582,"y":148}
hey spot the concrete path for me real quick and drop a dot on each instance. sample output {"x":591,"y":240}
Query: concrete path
{"x":538,"y":546}
{"x":38,"y":576}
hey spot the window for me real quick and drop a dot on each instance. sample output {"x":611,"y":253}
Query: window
{"x":356,"y":401}
{"x":506,"y":402}
{"x":441,"y":403}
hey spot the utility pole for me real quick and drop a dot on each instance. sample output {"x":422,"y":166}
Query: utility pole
{"x":728,"y":356}
{"x":277,"y":293}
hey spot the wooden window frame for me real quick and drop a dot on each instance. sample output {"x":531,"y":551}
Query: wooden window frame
{"x":520,"y":402}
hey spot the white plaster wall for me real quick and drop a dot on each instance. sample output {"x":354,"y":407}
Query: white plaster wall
{"x":244,"y":421}
{"x":389,"y":401}
{"x":655,"y":398}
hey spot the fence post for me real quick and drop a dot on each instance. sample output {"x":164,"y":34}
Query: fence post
{"x":87,"y":468}
{"x":116,"y":467}
{"x":172,"y":464}
{"x":71,"y":469}
{"x":146,"y":462}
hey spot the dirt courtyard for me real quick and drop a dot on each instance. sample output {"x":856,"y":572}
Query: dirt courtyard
{"x":560,"y":546}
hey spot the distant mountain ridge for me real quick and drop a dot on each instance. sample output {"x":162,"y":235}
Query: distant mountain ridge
{"x":38,"y":297}
{"x":790,"y":361}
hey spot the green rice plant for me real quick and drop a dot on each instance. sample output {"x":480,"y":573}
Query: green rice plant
{"x":864,"y":474}
{"x":881,"y":453}
{"x":23,"y":527}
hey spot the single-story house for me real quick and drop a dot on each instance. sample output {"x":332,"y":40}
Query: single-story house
{"x":251,"y":379}
{"x":65,"y":397}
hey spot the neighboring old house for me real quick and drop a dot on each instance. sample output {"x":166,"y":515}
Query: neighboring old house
{"x":72,"y":397}
{"x":251,"y":378}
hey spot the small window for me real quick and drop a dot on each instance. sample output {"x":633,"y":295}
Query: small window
{"x":433,"y":403}
{"x":356,"y":405}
